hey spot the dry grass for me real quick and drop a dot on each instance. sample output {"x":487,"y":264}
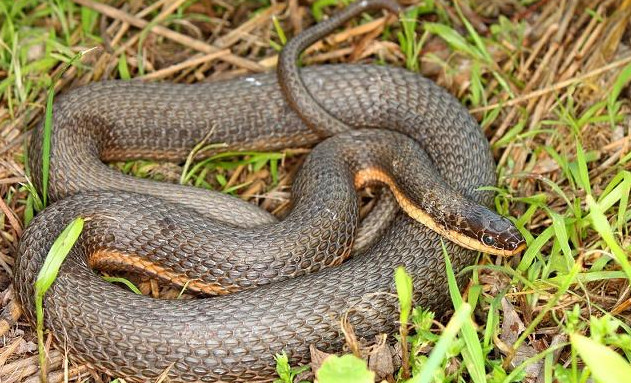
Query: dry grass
{"x":558,"y":59}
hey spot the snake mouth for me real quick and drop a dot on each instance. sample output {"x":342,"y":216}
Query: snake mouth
{"x":473,"y":244}
{"x":505,"y":240}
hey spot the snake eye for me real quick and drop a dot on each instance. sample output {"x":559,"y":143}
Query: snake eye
{"x":488,"y":240}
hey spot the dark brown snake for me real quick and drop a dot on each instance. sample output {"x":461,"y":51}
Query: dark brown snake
{"x":217,"y":243}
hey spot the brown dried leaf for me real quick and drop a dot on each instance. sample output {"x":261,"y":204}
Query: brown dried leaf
{"x":544,"y":166}
{"x":317,"y":357}
{"x":533,"y":371}
{"x":512,"y":325}
{"x":380,"y":360}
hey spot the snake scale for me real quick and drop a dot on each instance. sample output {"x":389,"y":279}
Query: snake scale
{"x":292,"y":280}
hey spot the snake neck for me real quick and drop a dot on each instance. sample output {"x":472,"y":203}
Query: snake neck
{"x":426,"y":197}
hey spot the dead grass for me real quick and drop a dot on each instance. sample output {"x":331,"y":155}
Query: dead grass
{"x":559,"y":59}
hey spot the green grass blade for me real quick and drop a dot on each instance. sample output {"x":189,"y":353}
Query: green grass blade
{"x":88,"y":20}
{"x":56,"y":255}
{"x":124,"y":281}
{"x":583,"y":172}
{"x":282,"y":368}
{"x":624,"y":199}
{"x":279,"y":31}
{"x":474,"y":35}
{"x":534,"y":248}
{"x":123,"y":68}
{"x":403,"y":283}
{"x":559,"y":225}
{"x":582,"y":278}
{"x":472,"y":354}
{"x":48,"y":128}
{"x":601,"y":225}
{"x":570,"y":278}
{"x":621,"y":81}
{"x":273,"y":169}
{"x":28,"y":210}
{"x":48,"y":125}
{"x":453,"y":38}
{"x":47,"y":275}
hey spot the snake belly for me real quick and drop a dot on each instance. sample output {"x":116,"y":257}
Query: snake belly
{"x":234,"y":337}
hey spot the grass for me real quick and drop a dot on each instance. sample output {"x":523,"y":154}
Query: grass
{"x":48,"y":127}
{"x":563,"y":163}
{"x":47,"y":275}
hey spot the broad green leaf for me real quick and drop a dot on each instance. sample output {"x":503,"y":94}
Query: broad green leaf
{"x":344,"y":369}
{"x":606,"y":365}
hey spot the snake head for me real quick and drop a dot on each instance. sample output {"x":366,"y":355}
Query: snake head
{"x":489,"y":232}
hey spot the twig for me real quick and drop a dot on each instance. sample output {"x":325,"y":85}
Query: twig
{"x":125,"y":27}
{"x":10,"y":315}
{"x":15,"y":223}
{"x":270,"y":62}
{"x":63,"y":376}
{"x":169,"y":34}
{"x":12,"y":180}
{"x":185,"y":64}
{"x":233,"y":36}
{"x":9,"y":350}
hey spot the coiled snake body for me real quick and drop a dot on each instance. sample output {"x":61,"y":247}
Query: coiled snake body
{"x":220,"y":244}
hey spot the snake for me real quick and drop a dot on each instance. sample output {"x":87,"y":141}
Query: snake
{"x":265,"y":286}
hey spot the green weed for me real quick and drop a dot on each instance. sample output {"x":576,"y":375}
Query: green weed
{"x":285,"y":372}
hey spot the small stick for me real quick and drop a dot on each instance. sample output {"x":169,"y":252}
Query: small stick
{"x":185,"y":64}
{"x":15,"y":223}
{"x":270,"y":62}
{"x":535,"y":51}
{"x":236,"y":34}
{"x":9,"y":350}
{"x":169,"y":34}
